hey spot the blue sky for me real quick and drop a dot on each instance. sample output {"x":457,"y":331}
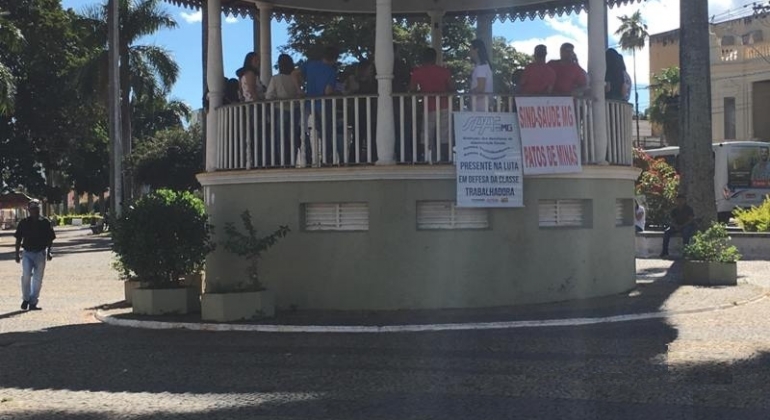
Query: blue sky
{"x":185,"y":42}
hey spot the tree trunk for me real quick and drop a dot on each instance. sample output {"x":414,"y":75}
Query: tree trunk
{"x":696,"y":155}
{"x":125,"y":118}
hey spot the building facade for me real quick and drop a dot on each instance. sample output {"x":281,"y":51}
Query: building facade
{"x":740,"y":75}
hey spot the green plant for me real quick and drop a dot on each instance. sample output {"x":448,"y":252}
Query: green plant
{"x":63,"y":220}
{"x":664,"y":108}
{"x":712,"y":245}
{"x":251,"y":247}
{"x":754,"y":219}
{"x":659,"y":184}
{"x":162,"y":237}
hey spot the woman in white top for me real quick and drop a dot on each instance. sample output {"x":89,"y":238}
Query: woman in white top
{"x":481,"y":78}
{"x":283,"y":86}
{"x":250,"y":88}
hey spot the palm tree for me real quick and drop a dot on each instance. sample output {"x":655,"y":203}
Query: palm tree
{"x":633,"y":35}
{"x":150,"y":69}
{"x":154,"y":112}
{"x":11,"y":39}
{"x":696,"y":154}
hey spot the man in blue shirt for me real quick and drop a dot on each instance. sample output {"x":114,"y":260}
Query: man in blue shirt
{"x":319,"y":79}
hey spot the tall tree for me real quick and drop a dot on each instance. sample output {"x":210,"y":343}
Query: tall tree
{"x":170,"y":159}
{"x":633,"y":36}
{"x":11,"y":39}
{"x":144,"y":69}
{"x":664,"y":108}
{"x":309,"y":35}
{"x":34,"y":139}
{"x":695,"y":109}
{"x":154,"y":113}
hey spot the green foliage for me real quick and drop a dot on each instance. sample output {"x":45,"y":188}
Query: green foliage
{"x":664,"y":108}
{"x":66,"y":220}
{"x":712,"y":245}
{"x":659,"y":184}
{"x":755,"y":219}
{"x":170,"y":159}
{"x":11,"y":40}
{"x":632,"y":31}
{"x":250,"y":246}
{"x":47,"y":114}
{"x":162,"y":237}
{"x":145,"y":69}
{"x":354,"y":37}
{"x":154,"y":113}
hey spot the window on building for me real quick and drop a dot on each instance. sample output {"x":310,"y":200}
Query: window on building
{"x":336,"y":216}
{"x":729,"y":115}
{"x":564,"y":213}
{"x":441,"y":215}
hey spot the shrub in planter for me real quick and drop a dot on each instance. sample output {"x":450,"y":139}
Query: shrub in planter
{"x":711,"y":258}
{"x":245,"y":298}
{"x":659,"y":184}
{"x":755,"y":219}
{"x":162,"y":237}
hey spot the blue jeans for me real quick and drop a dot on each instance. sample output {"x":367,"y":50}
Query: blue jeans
{"x":687,"y":231}
{"x":32,"y":269}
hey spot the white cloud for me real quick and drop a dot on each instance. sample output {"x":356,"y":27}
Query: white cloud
{"x":193,"y":17}
{"x":231,"y":19}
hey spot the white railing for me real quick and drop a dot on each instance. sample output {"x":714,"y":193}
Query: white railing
{"x":297,"y":132}
{"x":739,"y":53}
{"x":620,"y":133}
{"x":341,"y":131}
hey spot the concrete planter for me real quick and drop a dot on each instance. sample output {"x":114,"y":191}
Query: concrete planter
{"x":128,"y":289}
{"x":160,"y":301}
{"x":224,"y":307}
{"x":704,"y":273}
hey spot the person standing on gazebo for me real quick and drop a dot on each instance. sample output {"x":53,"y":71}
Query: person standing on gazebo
{"x":319,"y":78}
{"x":481,"y":78}
{"x":35,"y":235}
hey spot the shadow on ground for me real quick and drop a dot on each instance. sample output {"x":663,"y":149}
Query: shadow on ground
{"x":82,"y":244}
{"x":601,"y":372}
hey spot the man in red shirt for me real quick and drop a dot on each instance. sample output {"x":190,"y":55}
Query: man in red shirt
{"x":569,"y":75}
{"x":538,"y":77}
{"x":432,"y":78}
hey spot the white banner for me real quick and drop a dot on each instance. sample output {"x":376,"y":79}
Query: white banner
{"x":488,"y":160}
{"x":549,"y":135}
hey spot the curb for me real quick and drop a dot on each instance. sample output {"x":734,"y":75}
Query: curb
{"x":105,"y":318}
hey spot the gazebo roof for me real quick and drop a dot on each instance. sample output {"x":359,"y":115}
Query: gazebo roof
{"x":410,"y":9}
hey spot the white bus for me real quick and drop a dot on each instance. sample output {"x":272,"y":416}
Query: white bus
{"x":741,"y":173}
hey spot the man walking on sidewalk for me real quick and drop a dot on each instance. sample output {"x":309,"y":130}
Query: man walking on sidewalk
{"x":35,"y":234}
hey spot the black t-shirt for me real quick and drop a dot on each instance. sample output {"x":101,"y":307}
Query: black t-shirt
{"x":36,"y":234}
{"x":681,"y":216}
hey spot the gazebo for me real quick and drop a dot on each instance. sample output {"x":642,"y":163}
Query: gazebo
{"x":371,"y":204}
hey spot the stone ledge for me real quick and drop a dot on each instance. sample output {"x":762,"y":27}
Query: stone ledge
{"x":751,"y":245}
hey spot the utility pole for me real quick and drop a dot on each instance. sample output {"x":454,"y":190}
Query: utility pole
{"x":116,"y":173}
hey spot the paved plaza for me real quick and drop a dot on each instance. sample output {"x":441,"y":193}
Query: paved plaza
{"x":60,"y":363}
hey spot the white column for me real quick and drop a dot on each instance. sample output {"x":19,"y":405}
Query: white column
{"x":383,"y":61}
{"x":215,"y":75}
{"x":484,"y":31}
{"x":597,"y":66}
{"x":437,"y":34}
{"x":265,"y":43}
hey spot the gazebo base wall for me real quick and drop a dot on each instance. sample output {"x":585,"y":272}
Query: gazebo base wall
{"x":395,"y":265}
